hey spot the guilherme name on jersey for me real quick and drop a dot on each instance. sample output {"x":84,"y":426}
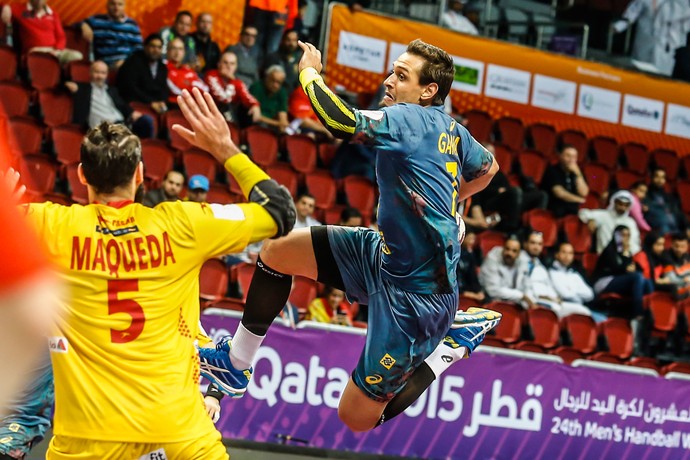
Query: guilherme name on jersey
{"x":140,"y":253}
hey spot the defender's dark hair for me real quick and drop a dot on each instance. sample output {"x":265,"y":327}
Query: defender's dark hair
{"x":438,"y":68}
{"x":110,"y":154}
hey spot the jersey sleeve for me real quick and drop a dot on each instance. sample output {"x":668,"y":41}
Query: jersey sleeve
{"x":476,"y":160}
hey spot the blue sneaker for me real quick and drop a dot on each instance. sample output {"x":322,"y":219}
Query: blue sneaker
{"x":470,"y":327}
{"x":216,"y":366}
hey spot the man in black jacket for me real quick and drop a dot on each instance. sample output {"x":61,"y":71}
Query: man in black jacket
{"x":96,"y":102}
{"x":681,"y":70}
{"x":143,"y":77}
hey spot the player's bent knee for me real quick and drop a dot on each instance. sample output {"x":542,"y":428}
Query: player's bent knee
{"x":355,"y":421}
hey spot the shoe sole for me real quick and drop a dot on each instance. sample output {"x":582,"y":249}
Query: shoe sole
{"x":206,"y":371}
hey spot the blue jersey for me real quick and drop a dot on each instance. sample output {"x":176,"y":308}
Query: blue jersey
{"x":421,"y":154}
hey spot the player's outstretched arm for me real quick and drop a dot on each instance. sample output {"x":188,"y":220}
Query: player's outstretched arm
{"x":336,"y":115}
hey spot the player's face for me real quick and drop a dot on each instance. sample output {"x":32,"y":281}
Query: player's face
{"x":403,"y":84}
{"x":116,"y":8}
{"x":565,"y":255}
{"x":305,"y":206}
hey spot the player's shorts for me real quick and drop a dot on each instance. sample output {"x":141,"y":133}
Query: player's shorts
{"x":208,"y":447}
{"x":403,"y":327}
{"x":17,"y":439}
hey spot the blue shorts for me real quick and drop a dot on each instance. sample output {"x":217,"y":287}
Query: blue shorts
{"x":403,"y":327}
{"x":17,"y":438}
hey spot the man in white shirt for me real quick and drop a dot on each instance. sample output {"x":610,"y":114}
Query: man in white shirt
{"x":569,"y":284}
{"x":498,"y":274}
{"x":604,"y":221}
{"x":454,"y":19}
{"x":305,"y":208}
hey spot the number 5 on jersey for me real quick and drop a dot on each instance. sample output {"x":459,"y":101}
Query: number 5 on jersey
{"x":126,"y":306}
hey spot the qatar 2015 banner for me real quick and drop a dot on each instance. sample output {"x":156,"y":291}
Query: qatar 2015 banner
{"x":490,"y":406}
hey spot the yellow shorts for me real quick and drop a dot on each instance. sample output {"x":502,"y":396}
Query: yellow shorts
{"x":208,"y":447}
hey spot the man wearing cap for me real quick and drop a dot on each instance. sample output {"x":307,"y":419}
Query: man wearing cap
{"x":604,"y":221}
{"x":197,"y":188}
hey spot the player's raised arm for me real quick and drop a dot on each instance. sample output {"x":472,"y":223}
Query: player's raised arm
{"x":210,"y":132}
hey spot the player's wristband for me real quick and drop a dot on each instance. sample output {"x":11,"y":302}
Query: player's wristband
{"x":245,"y":172}
{"x":307,"y":76}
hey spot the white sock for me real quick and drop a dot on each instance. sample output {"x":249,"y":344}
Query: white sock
{"x":443,"y":357}
{"x":243,"y":347}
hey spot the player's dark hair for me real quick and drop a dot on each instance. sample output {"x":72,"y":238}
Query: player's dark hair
{"x":438,"y":68}
{"x":110,"y":154}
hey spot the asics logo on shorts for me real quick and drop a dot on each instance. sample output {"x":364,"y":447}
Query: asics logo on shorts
{"x":373,"y":379}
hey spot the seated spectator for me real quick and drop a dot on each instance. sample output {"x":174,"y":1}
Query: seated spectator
{"x":143,"y":76}
{"x":180,"y":29}
{"x":207,"y":51}
{"x":663,"y":210}
{"x":652,"y":261}
{"x":350,"y":217}
{"x":39,"y":29}
{"x":197,"y":188}
{"x":677,"y":270}
{"x":304,"y":119}
{"x":230,"y":93}
{"x":569,"y":283}
{"x":113,"y":36}
{"x":96,"y":102}
{"x":638,"y":193}
{"x":330,"y":308}
{"x":535,"y":282}
{"x":180,"y":75}
{"x":454,"y":19}
{"x":616,"y":272}
{"x":468,"y":280}
{"x":604,"y":221}
{"x":498,"y":274}
{"x":352,"y":159}
{"x":273,"y":98}
{"x":248,"y":55}
{"x":287,"y":57}
{"x":169,"y":190}
{"x":565,"y":184}
{"x":681,"y":69}
{"x":304,"y":206}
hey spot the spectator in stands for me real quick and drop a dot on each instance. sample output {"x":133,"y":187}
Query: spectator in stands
{"x":113,"y":36}
{"x":681,"y":69}
{"x":273,"y":98}
{"x":197,"y":188}
{"x":181,"y":29}
{"x":467,"y":270}
{"x":498,"y":274}
{"x":330,"y":308}
{"x":248,"y":55}
{"x":350,"y":217}
{"x":569,"y":283}
{"x":652,"y":261}
{"x":39,"y":29}
{"x":304,"y":205}
{"x":207,"y":51}
{"x":604,"y":221}
{"x":535,"y":282}
{"x":287,"y":56}
{"x":143,"y":76}
{"x":638,"y":193}
{"x":454,"y":19}
{"x":169,"y":190}
{"x":304,"y":119}
{"x":565,"y":184}
{"x":96,"y":102}
{"x":663,"y":211}
{"x":269,"y":18}
{"x":180,"y":75}
{"x":616,"y":272}
{"x":231,"y":94}
{"x":677,"y":272}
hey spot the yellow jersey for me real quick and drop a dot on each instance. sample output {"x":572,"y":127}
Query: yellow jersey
{"x":125,"y":365}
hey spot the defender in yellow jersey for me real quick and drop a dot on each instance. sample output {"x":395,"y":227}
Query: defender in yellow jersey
{"x":126,"y":369}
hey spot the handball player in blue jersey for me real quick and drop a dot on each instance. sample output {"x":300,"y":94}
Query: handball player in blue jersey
{"x":406,"y":271}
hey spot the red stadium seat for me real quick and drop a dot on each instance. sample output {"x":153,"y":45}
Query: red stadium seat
{"x":75,"y":40}
{"x":67,"y":141}
{"x":44,"y":70}
{"x":198,"y":161}
{"x":302,"y":293}
{"x":245,"y":272}
{"x":79,"y":191}
{"x":664,"y":313}
{"x":56,"y":107}
{"x":635,"y":157}
{"x":581,"y":330}
{"x":284,"y":175}
{"x":302,"y":152}
{"x":577,"y":139}
{"x":532,"y":165}
{"x":545,"y":327}
{"x":509,"y":330}
{"x":592,"y":201}
{"x":146,"y":109}
{"x":597,"y":177}
{"x":683,"y":189}
{"x":618,"y":336}
{"x":645,"y":363}
{"x":530,"y":347}
{"x":479,"y":123}
{"x":504,"y":157}
{"x":332,"y":214}
{"x":235,"y":133}
{"x":542,"y":138}
{"x":28,"y":134}
{"x":8,"y":69}
{"x":213,"y":280}
{"x":158,"y":160}
{"x":327,"y":153}
{"x":683,"y":368}
{"x":605,"y":151}
{"x":567,"y":354}
{"x":360,"y":193}
{"x":668,"y":161}
{"x":263,"y":145}
{"x":174,"y":117}
{"x":79,"y":71}
{"x":38,"y":173}
{"x":511,"y":132}
{"x":589,"y":262}
{"x":487,"y":240}
{"x":322,"y":185}
{"x":625,"y":178}
{"x":577,"y":233}
{"x":219,"y":194}
{"x":226,"y":303}
{"x":541,"y":220}
{"x":14,"y":98}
